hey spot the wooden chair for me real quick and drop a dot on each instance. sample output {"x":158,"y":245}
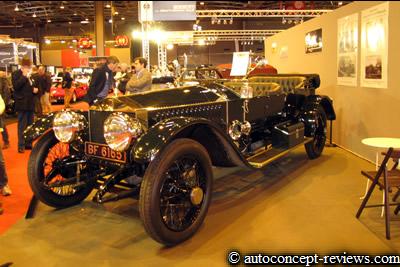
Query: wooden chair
{"x":386,"y":181}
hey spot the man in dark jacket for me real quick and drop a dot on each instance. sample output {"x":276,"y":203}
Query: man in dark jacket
{"x":44,"y":89}
{"x":67,"y":86}
{"x":24,"y":104}
{"x":101,"y":82}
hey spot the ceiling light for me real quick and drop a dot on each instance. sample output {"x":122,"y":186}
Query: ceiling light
{"x":122,"y":18}
{"x":225,"y":21}
{"x":74,"y":40}
{"x":47,"y":41}
{"x":340,"y":3}
{"x":69,"y":22}
{"x":76,"y":51}
{"x":75,"y":14}
{"x":70,"y":46}
{"x":94,"y":46}
{"x":62,"y":41}
{"x":110,"y":20}
{"x":108,"y":6}
{"x":87,"y":19}
{"x":231,"y":21}
{"x":49,"y":20}
{"x":34,"y":15}
{"x":218,"y":21}
{"x":84,"y":21}
{"x":170,"y":46}
{"x":199,"y":28}
{"x":62,"y":6}
{"x":16,"y":8}
{"x":202,"y":3}
{"x":116,"y":13}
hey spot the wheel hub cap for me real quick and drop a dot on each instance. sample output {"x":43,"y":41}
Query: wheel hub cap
{"x":196,"y":196}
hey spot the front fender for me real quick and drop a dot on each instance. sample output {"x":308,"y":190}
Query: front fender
{"x":220,"y":148}
{"x":38,"y":128}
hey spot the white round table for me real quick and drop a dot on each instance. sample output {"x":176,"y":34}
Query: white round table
{"x":383,"y":142}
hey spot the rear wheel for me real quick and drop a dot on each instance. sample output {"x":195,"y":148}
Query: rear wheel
{"x":316,"y":146}
{"x":176,"y":192}
{"x":55,"y":176}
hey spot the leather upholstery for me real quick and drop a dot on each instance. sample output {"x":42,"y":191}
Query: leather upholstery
{"x":259,"y":88}
{"x":289,"y":84}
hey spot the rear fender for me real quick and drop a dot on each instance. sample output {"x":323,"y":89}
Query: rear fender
{"x":310,"y":108}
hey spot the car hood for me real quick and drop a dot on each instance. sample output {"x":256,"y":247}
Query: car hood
{"x":159,"y":99}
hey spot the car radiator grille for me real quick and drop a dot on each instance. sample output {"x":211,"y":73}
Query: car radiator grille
{"x":96,"y":122}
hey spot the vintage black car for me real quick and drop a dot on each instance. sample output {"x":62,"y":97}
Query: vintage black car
{"x":159,"y":146}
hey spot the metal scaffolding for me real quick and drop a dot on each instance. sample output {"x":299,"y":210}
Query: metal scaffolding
{"x":162,"y":56}
{"x":260,"y":13}
{"x":217,"y":33}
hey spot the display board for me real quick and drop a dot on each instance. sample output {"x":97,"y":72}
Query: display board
{"x":240,"y":63}
{"x":347,"y":50}
{"x":313,"y":41}
{"x":374,"y":46}
{"x":6,"y":54}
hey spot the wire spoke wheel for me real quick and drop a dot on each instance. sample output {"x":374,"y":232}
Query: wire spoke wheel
{"x":57,"y":176}
{"x":53,"y":169}
{"x":314,"y":149}
{"x":184,"y":181}
{"x":176,"y":192}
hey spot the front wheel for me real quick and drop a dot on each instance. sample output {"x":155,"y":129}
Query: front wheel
{"x":316,"y":146}
{"x":176,"y":192}
{"x":56,"y":176}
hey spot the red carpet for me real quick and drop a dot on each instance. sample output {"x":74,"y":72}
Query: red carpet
{"x":16,"y":205}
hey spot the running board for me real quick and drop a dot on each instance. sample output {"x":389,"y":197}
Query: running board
{"x":265,"y":157}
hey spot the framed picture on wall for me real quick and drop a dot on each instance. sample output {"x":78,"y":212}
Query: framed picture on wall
{"x":313,"y":41}
{"x":347,"y":52}
{"x":374,"y":46}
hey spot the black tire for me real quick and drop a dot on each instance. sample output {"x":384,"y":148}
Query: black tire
{"x":36,"y":175}
{"x":316,"y":146}
{"x":161,"y":176}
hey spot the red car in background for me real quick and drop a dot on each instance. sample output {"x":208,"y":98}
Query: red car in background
{"x":57,"y":93}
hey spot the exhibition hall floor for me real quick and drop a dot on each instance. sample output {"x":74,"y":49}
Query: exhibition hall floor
{"x":293,"y":206}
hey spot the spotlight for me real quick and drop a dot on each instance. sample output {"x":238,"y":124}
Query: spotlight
{"x":283,"y":21}
{"x":202,"y":3}
{"x":340,"y":3}
{"x":62,"y":6}
{"x":170,"y":46}
{"x":231,"y":21}
{"x":199,"y":28}
{"x":116,"y":13}
{"x":70,"y":46}
{"x":69,"y":22}
{"x":16,"y":8}
{"x":74,"y":40}
{"x":34,"y":15}
{"x":62,"y":41}
{"x":75,"y":14}
{"x":289,"y":21}
{"x":218,"y":21}
{"x":49,"y":20}
{"x":47,"y":41}
{"x":108,"y":6}
{"x":122,"y":18}
{"x":110,"y":21}
{"x":225,"y":22}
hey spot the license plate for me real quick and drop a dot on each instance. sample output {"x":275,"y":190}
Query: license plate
{"x":104,"y":152}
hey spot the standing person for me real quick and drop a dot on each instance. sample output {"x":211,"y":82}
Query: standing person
{"x":102,"y":81}
{"x":24,"y":105}
{"x":44,"y":88}
{"x":66,"y":85}
{"x":35,"y":78}
{"x":4,"y":187}
{"x":142,"y":80}
{"x":6,"y":95}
